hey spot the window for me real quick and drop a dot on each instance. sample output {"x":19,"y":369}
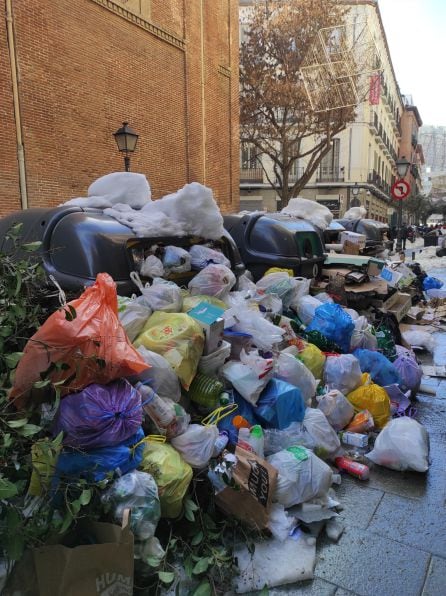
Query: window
{"x":248,"y":159}
{"x":330,"y":163}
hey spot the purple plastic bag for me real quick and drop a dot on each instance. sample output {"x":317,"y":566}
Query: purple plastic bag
{"x":99,"y":415}
{"x":409,"y":371}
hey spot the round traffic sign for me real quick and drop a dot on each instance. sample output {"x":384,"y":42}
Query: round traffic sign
{"x":400,"y":190}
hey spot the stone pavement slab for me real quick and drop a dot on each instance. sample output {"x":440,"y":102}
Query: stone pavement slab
{"x":436,"y":578}
{"x":370,"y":565}
{"x":359,"y":502}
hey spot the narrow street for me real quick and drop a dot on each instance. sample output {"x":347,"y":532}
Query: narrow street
{"x":395,"y":524}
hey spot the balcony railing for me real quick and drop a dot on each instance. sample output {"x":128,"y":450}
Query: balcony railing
{"x":330,"y":175}
{"x":375,"y":179}
{"x":251,"y":175}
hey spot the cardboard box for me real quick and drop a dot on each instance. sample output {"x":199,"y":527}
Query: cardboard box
{"x":399,"y":304}
{"x":210,"y":318}
{"x":358,"y":239}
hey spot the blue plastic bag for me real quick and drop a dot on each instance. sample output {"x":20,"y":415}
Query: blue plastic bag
{"x":334,"y":323}
{"x":279,"y":405}
{"x":432,"y":283}
{"x":380,"y":368}
{"x":94,"y":465}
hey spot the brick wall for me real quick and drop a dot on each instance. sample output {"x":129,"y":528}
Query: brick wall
{"x":84,"y":69}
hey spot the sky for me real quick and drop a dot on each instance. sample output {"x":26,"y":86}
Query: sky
{"x":416,"y":34}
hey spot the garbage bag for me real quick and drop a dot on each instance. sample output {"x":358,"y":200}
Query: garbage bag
{"x":97,"y":464}
{"x":162,"y":295}
{"x":213,"y":280}
{"x":136,"y":491}
{"x":342,"y":373}
{"x":302,"y":476}
{"x":288,"y":368}
{"x":336,"y":407}
{"x":202,"y":256}
{"x":197,"y":444}
{"x":334,"y":323}
{"x":99,"y":415}
{"x":432,"y":283}
{"x":422,"y":339}
{"x":250,"y":376}
{"x":314,"y":360}
{"x":171,"y":473}
{"x":93,"y":347}
{"x":380,"y":368}
{"x":152,"y":267}
{"x":264,"y":334}
{"x":176,"y":260}
{"x":177,"y":337}
{"x":314,"y":432}
{"x":409,"y":371}
{"x":373,"y":398}
{"x":281,"y":284}
{"x":363,"y":335}
{"x":402,"y":445}
{"x":133,"y":315}
{"x":160,"y":376}
{"x":306,"y":308}
{"x":279,"y":405}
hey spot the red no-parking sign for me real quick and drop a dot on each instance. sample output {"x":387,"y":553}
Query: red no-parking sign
{"x":400,"y":190}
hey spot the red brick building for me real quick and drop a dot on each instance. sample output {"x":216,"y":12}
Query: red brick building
{"x":72,"y":72}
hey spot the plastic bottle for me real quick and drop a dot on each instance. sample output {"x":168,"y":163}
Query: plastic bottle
{"x":257,"y":440}
{"x":205,"y":391}
{"x":240,"y":422}
{"x":354,"y":468}
{"x":159,"y":410}
{"x":243,"y":441}
{"x":220,"y":443}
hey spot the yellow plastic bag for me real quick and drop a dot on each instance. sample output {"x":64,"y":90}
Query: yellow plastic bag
{"x":313,"y":359}
{"x":177,"y":337}
{"x":190,"y":302}
{"x":171,"y":473}
{"x":373,"y":398}
{"x":279,"y":270}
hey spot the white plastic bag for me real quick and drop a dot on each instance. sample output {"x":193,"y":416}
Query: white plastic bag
{"x":306,"y":307}
{"x":250,"y":376}
{"x":420,"y":338}
{"x":196,"y":444}
{"x":403,"y":444}
{"x":324,"y":298}
{"x":133,"y":314}
{"x":290,"y":369}
{"x":342,"y":372}
{"x":314,"y":432}
{"x":362,"y":336}
{"x":176,"y":260}
{"x":213,"y":280}
{"x":202,"y":256}
{"x":160,"y":376}
{"x":264,"y":334}
{"x":152,"y":267}
{"x":336,"y":407}
{"x":162,"y":295}
{"x":302,"y":476}
{"x":281,"y":284}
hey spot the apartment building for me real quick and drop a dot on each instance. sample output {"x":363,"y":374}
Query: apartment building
{"x":360,"y":168}
{"x":72,"y":72}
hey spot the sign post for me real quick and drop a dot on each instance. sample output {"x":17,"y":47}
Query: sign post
{"x":400,"y":190}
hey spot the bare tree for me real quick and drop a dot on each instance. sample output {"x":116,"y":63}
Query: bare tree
{"x":276,"y":115}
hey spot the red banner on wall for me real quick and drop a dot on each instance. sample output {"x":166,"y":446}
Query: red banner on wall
{"x":375,"y":89}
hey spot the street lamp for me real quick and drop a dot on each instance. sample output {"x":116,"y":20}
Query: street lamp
{"x":126,"y":139}
{"x":355,"y":192}
{"x":402,"y":166}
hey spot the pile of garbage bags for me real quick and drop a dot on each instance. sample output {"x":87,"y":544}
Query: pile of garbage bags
{"x":268,"y":390}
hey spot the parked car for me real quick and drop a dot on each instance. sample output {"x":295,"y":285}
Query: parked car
{"x":269,"y":240}
{"x":78,"y":243}
{"x":376,"y":234}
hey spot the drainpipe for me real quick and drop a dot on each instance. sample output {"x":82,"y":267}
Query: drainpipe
{"x":16,"y":103}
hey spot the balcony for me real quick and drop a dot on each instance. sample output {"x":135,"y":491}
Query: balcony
{"x":375,"y":179}
{"x":251,"y":175}
{"x":330,"y":175}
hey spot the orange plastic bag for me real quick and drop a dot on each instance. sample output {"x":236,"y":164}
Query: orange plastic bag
{"x":93,"y":346}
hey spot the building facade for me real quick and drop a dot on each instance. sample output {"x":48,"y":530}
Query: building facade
{"x":72,"y":72}
{"x":360,"y":168}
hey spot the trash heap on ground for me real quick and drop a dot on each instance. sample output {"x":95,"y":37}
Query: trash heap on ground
{"x":268,"y":391}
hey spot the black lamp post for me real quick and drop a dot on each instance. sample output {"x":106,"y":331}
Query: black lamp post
{"x":355,"y":192}
{"x":126,"y":139}
{"x":402,"y":166}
